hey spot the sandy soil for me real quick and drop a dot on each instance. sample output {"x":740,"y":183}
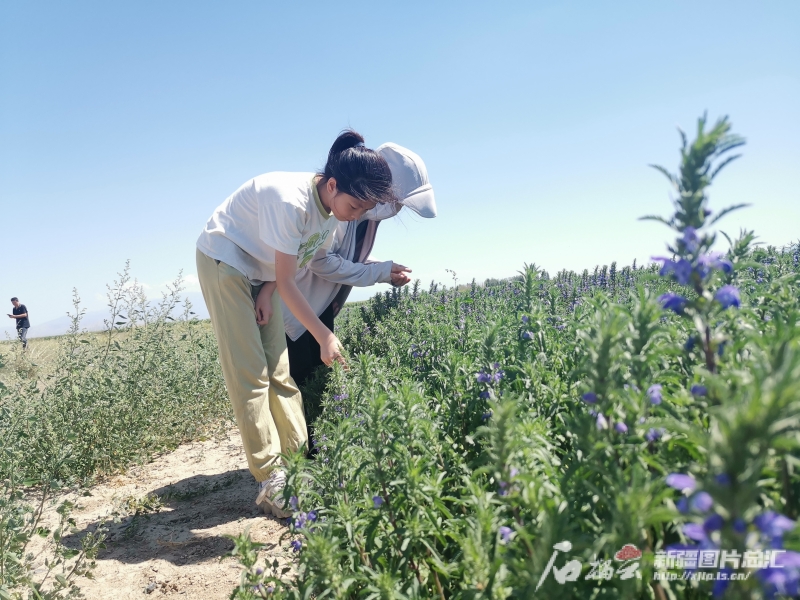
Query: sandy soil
{"x":206,"y":493}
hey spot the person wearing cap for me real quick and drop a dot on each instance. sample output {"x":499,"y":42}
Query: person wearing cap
{"x":328,"y":279}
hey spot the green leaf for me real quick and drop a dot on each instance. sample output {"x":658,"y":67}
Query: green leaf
{"x":725,"y":211}
{"x":656,"y":218}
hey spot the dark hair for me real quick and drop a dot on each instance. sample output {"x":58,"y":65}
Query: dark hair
{"x":358,"y":171}
{"x":15,"y":299}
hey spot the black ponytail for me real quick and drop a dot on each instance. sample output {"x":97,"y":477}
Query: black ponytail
{"x":358,"y":171}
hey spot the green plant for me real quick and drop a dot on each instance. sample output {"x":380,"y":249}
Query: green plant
{"x":510,"y":440}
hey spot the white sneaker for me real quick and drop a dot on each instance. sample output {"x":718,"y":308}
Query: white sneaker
{"x":270,"y":495}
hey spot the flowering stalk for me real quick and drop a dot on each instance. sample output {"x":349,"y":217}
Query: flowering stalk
{"x":693,"y":264}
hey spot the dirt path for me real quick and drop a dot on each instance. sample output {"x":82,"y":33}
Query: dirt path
{"x":206,"y":492}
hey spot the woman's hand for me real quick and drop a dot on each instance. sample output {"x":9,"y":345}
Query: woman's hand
{"x":329,"y":345}
{"x":264,"y":303}
{"x":398,"y":276}
{"x":331,"y":351}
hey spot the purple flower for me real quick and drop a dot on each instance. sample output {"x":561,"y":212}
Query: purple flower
{"x":300,"y":520}
{"x":296,"y":545}
{"x":683,"y":505}
{"x":713,"y":523}
{"x":525,"y":319}
{"x":621,"y":427}
{"x":714,"y":260}
{"x":720,"y":585}
{"x":496,"y":365}
{"x":699,"y":390}
{"x":483,"y":377}
{"x":723,"y":479}
{"x":312,"y":515}
{"x":514,"y":472}
{"x":690,"y":240}
{"x":505,"y":533}
{"x":293,"y":502}
{"x":377,"y":501}
{"x":701,"y":502}
{"x":681,"y":482}
{"x":739,"y":526}
{"x":484,"y":394}
{"x":673,"y":302}
{"x":689,"y":345}
{"x":694,"y":531}
{"x":788,"y":559}
{"x":680,"y":270}
{"x":499,"y":375}
{"x":728,"y":296}
{"x":527,"y":335}
{"x":784,"y":578}
{"x":486,"y":416}
{"x":654,"y":434}
{"x":773,"y":524}
{"x":654,"y":393}
{"x":589,"y":398}
{"x":502,"y":488}
{"x":601,"y":422}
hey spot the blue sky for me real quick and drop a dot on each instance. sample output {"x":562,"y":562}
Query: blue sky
{"x":123,"y":125}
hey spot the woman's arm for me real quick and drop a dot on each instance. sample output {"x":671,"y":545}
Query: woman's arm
{"x":285,"y":270}
{"x":335,"y":268}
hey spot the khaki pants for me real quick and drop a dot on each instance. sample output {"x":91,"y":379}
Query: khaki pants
{"x":255,"y":364}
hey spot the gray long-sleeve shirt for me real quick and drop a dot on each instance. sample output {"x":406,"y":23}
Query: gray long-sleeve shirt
{"x":324,"y":278}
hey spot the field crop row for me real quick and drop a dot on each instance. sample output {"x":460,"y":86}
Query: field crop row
{"x":559,"y":436}
{"x":96,"y":404}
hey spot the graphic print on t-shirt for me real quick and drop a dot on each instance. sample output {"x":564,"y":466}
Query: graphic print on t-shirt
{"x":309,"y":248}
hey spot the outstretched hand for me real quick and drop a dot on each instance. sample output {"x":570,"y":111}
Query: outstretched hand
{"x":398,"y":276}
{"x":331,"y":351}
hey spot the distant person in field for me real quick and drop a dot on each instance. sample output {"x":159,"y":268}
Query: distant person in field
{"x":254,"y":243}
{"x":20,"y":313}
{"x":329,"y":277}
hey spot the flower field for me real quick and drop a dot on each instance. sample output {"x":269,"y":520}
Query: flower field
{"x":573,"y":435}
{"x":622,"y":432}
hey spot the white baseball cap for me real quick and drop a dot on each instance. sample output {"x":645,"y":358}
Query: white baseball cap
{"x":409,"y":179}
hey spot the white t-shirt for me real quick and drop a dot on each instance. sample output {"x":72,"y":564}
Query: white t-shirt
{"x":275,"y":211}
{"x":323,"y":277}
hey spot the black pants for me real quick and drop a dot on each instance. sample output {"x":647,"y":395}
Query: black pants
{"x":303,"y":361}
{"x":304,"y":352}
